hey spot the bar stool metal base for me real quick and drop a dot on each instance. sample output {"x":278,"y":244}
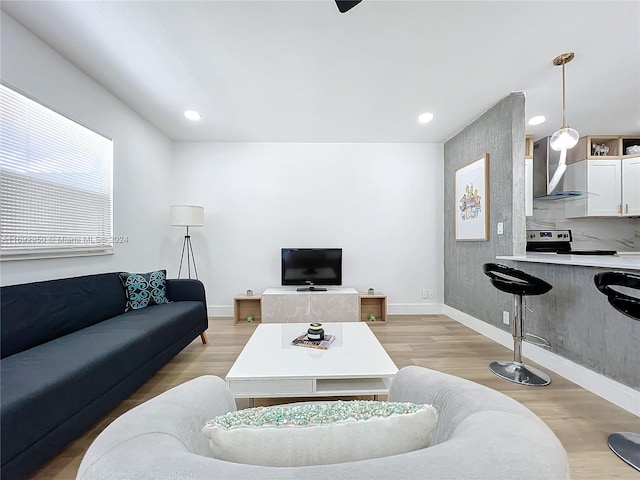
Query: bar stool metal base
{"x":517,"y":372}
{"x":627,"y":446}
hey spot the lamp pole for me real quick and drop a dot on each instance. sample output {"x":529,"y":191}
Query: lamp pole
{"x":187,"y":216}
{"x":186,"y":246}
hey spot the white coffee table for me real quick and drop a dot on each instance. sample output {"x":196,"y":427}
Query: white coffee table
{"x":269,"y":366}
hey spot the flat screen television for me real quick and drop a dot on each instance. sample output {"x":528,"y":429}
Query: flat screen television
{"x":311,"y":267}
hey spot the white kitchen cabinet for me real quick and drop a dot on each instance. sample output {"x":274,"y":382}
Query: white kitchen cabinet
{"x":610,"y":187}
{"x":631,"y":186}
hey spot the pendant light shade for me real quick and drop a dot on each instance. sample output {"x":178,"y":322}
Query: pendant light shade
{"x":566,"y":137}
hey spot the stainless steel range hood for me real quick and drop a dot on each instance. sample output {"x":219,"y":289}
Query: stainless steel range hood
{"x":548,"y":172}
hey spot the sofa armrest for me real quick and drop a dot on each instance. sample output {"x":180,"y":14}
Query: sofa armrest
{"x":186,"y":289}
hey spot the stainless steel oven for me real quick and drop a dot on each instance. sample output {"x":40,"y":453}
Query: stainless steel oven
{"x":557,"y":241}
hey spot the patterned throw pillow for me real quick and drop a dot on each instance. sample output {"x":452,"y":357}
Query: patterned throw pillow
{"x":144,"y":289}
{"x":320,"y":433}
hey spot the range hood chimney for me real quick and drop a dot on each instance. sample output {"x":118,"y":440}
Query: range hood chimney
{"x":548,"y":172}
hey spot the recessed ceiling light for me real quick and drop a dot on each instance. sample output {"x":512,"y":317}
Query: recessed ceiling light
{"x":192,"y":115}
{"x":426,"y":117}
{"x":537,"y":120}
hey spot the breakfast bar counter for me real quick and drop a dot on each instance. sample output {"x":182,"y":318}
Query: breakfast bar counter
{"x":622,"y":261}
{"x":577,"y":319}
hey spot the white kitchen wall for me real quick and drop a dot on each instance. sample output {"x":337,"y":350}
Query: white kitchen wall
{"x":619,"y":234}
{"x":142,"y":158}
{"x":381,"y":203}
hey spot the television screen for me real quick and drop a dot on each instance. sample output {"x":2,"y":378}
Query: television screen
{"x":311,"y":266}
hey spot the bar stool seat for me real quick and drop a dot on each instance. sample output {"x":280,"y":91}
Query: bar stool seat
{"x":519,"y":284}
{"x":624,"y":444}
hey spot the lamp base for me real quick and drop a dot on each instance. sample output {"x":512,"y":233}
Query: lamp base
{"x":627,"y":446}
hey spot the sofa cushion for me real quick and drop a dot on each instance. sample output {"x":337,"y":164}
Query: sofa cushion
{"x":144,"y":289}
{"x":320,"y":433}
{"x":46,"y":385}
{"x":35,"y":313}
{"x":167,"y":323}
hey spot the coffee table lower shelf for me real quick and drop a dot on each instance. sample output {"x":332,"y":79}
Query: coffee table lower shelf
{"x":308,"y":387}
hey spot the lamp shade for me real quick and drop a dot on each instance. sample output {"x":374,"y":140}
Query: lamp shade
{"x":564,"y":139}
{"x":186,"y":215}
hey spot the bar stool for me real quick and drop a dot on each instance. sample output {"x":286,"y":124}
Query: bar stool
{"x":624,"y":444}
{"x":519,"y":284}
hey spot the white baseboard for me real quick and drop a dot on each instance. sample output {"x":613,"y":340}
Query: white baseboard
{"x":612,"y":391}
{"x":414,"y":309}
{"x":220,"y":310}
{"x":392,"y":309}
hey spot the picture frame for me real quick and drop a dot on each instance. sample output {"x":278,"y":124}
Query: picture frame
{"x":471,"y":200}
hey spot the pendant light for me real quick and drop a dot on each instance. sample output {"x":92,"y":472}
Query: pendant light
{"x":566,"y":137}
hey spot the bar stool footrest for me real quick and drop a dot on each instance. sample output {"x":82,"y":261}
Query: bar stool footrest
{"x":520,"y":373}
{"x":538,"y":341}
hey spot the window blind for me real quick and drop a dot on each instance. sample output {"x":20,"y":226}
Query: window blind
{"x":56,"y":183}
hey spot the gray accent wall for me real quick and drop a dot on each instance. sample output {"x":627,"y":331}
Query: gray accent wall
{"x":574,"y":316}
{"x":500,"y":132}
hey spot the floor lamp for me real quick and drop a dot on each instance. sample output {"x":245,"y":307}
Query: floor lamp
{"x":187,"y":216}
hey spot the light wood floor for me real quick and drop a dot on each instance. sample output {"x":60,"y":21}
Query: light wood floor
{"x":580,"y":419}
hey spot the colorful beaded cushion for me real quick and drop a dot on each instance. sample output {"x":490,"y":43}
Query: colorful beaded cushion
{"x":144,"y":289}
{"x":320,"y":433}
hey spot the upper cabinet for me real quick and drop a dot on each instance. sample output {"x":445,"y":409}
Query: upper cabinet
{"x":606,"y":169}
{"x":631,"y":186}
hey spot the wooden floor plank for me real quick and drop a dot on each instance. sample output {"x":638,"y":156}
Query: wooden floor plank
{"x":580,"y":419}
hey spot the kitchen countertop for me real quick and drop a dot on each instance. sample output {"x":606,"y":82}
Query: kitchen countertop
{"x":624,"y":261}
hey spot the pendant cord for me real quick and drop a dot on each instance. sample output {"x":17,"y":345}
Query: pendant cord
{"x":564,"y":101}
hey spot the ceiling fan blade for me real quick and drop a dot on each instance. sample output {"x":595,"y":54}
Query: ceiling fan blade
{"x":346,"y":5}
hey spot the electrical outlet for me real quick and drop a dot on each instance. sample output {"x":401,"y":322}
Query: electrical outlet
{"x":430,"y":294}
{"x":500,"y":228}
{"x":505,"y":317}
{"x":425,"y":293}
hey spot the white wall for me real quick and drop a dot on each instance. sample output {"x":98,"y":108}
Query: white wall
{"x":142,"y":158}
{"x":381,"y":203}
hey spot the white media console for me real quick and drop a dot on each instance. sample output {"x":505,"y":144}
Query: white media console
{"x":287,"y":305}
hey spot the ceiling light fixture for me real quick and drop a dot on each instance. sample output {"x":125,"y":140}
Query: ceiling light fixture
{"x":192,"y":115}
{"x":537,"y":120}
{"x":566,"y":137}
{"x":426,"y":117}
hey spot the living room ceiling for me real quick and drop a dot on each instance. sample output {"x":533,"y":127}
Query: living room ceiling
{"x":300,"y":71}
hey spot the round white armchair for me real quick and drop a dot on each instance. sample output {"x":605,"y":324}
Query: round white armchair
{"x":480,"y":434}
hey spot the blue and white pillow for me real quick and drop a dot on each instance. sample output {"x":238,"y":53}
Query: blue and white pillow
{"x":144,"y":289}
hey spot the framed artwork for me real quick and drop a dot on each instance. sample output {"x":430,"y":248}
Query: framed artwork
{"x":472,"y":200}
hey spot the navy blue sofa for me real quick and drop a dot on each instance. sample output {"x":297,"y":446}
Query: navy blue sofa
{"x":69,"y":354}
